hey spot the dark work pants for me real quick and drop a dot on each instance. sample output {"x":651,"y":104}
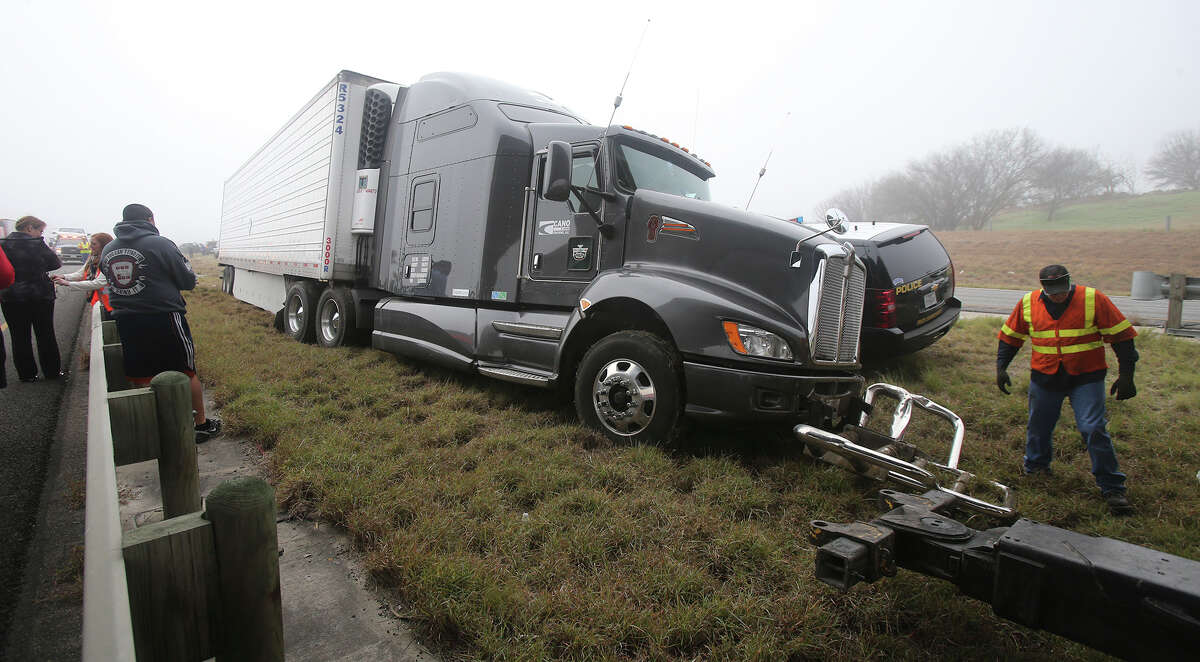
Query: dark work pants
{"x":1087,"y":400}
{"x":26,"y":320}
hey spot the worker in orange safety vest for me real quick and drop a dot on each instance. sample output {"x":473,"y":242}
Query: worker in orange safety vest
{"x":1068,"y":326}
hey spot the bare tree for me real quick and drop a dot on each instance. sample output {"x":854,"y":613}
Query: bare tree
{"x":856,"y":202}
{"x":1130,"y":175}
{"x":1066,"y":174}
{"x":1177,"y":163}
{"x":964,"y":186}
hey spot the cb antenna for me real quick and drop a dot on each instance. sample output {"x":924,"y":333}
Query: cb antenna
{"x":620,"y":95}
{"x":762,"y":171}
{"x":617,"y":101}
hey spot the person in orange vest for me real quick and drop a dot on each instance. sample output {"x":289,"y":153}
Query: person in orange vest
{"x":1068,"y":326}
{"x":90,"y":278}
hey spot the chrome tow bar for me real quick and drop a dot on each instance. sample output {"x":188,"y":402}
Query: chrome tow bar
{"x":884,"y":456}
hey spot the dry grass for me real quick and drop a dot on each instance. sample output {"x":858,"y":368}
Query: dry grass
{"x":1106,"y":260}
{"x":1102,"y":242}
{"x":515,"y":534}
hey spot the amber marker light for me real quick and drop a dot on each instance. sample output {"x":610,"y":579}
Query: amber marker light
{"x":735,"y":338}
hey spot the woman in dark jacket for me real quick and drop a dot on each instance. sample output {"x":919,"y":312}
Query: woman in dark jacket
{"x":28,"y":304}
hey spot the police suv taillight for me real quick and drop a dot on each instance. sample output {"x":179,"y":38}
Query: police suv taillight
{"x":881,"y":308}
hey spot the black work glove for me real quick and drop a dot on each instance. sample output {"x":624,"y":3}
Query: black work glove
{"x":1123,"y":388}
{"x":1003,"y":381}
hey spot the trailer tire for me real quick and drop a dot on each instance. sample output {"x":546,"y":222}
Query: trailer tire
{"x":629,"y":386}
{"x":335,"y":323}
{"x":299,"y":311}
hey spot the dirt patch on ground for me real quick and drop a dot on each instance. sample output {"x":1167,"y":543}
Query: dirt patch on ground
{"x":1104,"y":259}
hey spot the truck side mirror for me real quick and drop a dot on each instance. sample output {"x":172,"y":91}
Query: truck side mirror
{"x":836,"y":220}
{"x":558,"y":171}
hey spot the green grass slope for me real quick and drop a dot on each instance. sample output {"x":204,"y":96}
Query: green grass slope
{"x":1143,"y":212}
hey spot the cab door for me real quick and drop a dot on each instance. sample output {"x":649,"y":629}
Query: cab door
{"x":564,"y":242}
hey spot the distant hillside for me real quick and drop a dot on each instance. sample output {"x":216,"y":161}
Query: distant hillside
{"x":1102,"y":242}
{"x":1142,"y":212}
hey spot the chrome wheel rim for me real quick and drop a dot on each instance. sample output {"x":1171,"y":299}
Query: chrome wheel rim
{"x":330,"y":321}
{"x":295,"y":314}
{"x":624,"y":397}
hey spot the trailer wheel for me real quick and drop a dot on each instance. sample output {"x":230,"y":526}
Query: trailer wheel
{"x":336,"y":318}
{"x":629,"y":386}
{"x":299,"y":311}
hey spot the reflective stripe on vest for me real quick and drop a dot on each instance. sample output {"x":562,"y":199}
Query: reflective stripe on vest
{"x":1114,"y":330}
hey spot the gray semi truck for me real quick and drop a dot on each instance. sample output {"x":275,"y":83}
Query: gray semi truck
{"x":483,"y":227}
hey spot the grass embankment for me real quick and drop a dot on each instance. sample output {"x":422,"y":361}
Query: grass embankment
{"x":513,"y":533}
{"x":1102,"y":242}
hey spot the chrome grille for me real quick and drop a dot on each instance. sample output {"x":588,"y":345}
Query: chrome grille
{"x":852,"y":322}
{"x":839,"y":312}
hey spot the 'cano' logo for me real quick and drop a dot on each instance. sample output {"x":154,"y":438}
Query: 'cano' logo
{"x":555,"y":227}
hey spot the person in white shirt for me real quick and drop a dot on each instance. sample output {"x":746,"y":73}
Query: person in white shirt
{"x":89,"y":278}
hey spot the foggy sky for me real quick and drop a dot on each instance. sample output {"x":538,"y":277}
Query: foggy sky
{"x":109,"y":103}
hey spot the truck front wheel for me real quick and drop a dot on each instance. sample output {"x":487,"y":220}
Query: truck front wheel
{"x":335,"y":318}
{"x":629,"y":385}
{"x":298,"y":312}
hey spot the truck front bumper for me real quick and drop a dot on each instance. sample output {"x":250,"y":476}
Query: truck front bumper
{"x":734,"y":393}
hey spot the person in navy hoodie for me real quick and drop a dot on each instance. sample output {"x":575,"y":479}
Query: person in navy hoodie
{"x":146,"y":273}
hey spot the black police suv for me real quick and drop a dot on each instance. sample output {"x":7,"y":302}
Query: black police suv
{"x":910,"y":300}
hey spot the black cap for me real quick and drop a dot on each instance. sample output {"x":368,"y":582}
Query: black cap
{"x":1055,"y":279}
{"x":136,"y":212}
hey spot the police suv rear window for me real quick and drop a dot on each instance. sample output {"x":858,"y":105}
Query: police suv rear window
{"x":913,"y":255}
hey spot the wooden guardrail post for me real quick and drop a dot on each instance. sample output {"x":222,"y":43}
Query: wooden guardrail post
{"x":108,"y":332}
{"x":134,"y":426}
{"x":242,"y":512}
{"x":114,"y":366}
{"x":114,"y":357}
{"x":171,"y":577}
{"x":1178,"y":289}
{"x":178,"y":471}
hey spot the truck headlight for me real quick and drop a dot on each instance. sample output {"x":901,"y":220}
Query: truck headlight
{"x":753,"y":341}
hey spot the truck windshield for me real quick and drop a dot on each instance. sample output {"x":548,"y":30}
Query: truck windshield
{"x":638,"y":168}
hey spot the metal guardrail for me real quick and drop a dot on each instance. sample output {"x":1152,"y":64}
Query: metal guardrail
{"x":198,"y":584}
{"x":107,"y":625}
{"x":1177,"y":287}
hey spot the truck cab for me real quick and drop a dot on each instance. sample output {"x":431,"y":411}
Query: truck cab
{"x":522,"y":244}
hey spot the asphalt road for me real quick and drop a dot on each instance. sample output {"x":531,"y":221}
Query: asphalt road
{"x":29,"y":415}
{"x":1143,"y":313}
